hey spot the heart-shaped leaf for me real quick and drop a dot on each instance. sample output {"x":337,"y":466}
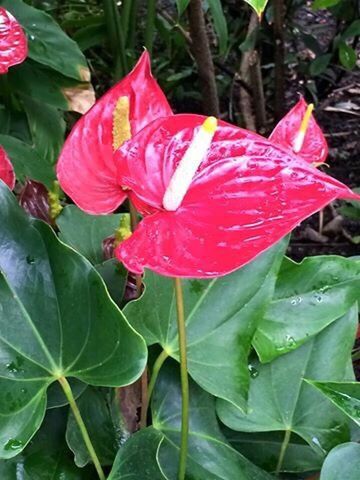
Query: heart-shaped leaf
{"x":308,"y":297}
{"x":221,"y":312}
{"x":343,"y":462}
{"x":56,"y":320}
{"x":48,"y":44}
{"x":279,"y":400}
{"x":258,"y":5}
{"x":345,"y":395}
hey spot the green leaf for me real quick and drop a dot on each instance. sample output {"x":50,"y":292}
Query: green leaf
{"x":258,"y":5}
{"x":86,"y":232}
{"x":343,"y":462}
{"x":263,"y":450}
{"x":347,"y":56}
{"x":56,"y":319}
{"x":220,"y":24}
{"x":56,"y":397}
{"x":320,"y":64}
{"x":345,"y":395}
{"x":318,"y":4}
{"x":47,"y":457}
{"x":138,"y":457}
{"x":308,"y":297}
{"x":45,"y":85}
{"x":279,"y":400}
{"x":27,"y":161}
{"x":47,"y":128}
{"x":48,"y":44}
{"x":353,"y":30}
{"x":210,"y":455}
{"x":114,"y":275}
{"x":182,"y":6}
{"x":100,"y":411}
{"x":223,"y":311}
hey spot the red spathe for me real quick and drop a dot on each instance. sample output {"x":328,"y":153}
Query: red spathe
{"x":7,"y":174}
{"x":13,"y":42}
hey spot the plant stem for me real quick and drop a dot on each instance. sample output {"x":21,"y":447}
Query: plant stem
{"x":283,"y":449}
{"x":133,"y":223}
{"x":278,"y":27}
{"x":150,"y":25}
{"x":155,"y":372}
{"x":75,"y":409}
{"x":184,"y":379}
{"x":125,"y":17}
{"x":201,"y":50}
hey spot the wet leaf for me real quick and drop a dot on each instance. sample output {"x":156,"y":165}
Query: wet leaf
{"x":223,"y":311}
{"x":345,"y":395}
{"x":308,"y":297}
{"x":279,"y":400}
{"x":68,"y":324}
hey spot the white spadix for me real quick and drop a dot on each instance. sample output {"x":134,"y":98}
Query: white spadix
{"x":188,"y":165}
{"x":300,"y":136}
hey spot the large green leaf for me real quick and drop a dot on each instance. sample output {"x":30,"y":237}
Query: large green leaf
{"x":210,"y":455}
{"x":279,"y":400}
{"x":27,"y":161}
{"x":263,"y":450}
{"x":308,"y":297}
{"x":47,"y":457}
{"x":137,"y":459}
{"x":100,"y":411}
{"x":47,"y":128}
{"x":56,"y":319}
{"x":345,"y":395}
{"x":182,"y":6}
{"x":48,"y":43}
{"x":343,"y":462}
{"x":153,"y":454}
{"x":86,"y":232}
{"x":221,"y":317}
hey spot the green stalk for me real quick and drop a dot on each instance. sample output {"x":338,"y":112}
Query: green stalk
{"x":283,"y":449}
{"x":133,"y":24}
{"x":184,"y":379}
{"x":75,"y":409}
{"x":116,"y":37}
{"x":150,"y":25}
{"x":125,"y":17}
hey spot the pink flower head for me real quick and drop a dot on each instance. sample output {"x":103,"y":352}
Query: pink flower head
{"x":299,"y":132}
{"x":245,"y":195}
{"x":86,"y":169}
{"x":13,"y":42}
{"x":7,"y":174}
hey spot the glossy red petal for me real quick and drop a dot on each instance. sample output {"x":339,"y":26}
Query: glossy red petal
{"x":86,"y":167}
{"x":7,"y":174}
{"x":314,"y":149}
{"x":13,"y":42}
{"x":246,"y":195}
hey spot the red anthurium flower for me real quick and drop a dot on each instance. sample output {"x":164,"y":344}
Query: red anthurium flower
{"x":86,"y":169}
{"x":13,"y":42}
{"x":7,"y":174}
{"x":299,"y":132}
{"x":236,"y":195}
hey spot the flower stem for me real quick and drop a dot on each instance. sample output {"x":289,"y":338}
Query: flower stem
{"x":184,"y":379}
{"x":283,"y":449}
{"x":150,"y":25}
{"x":75,"y":409}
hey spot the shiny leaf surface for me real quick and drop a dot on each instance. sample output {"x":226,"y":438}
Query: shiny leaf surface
{"x":224,"y":311}
{"x":279,"y":400}
{"x":345,"y":395}
{"x":308,"y":297}
{"x":246,"y":195}
{"x":68,"y":325}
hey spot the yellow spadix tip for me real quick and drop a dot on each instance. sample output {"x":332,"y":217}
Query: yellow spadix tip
{"x":210,"y":125}
{"x":306,"y":118}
